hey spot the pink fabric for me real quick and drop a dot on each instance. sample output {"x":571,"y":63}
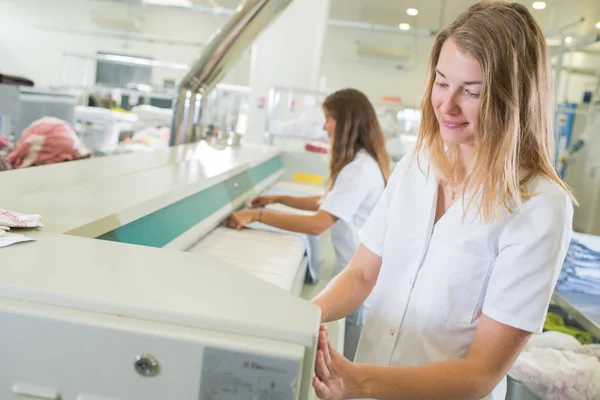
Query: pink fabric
{"x":3,"y":142}
{"x":47,"y":141}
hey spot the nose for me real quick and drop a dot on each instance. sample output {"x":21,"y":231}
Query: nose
{"x":450,"y":104}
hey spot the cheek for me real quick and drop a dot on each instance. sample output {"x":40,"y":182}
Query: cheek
{"x":436,"y":99}
{"x":472,"y":111}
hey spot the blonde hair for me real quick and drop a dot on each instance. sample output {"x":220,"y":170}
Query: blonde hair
{"x":356,"y":128}
{"x":514,"y":130}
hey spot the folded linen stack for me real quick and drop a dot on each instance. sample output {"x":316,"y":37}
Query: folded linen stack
{"x":581,"y":270}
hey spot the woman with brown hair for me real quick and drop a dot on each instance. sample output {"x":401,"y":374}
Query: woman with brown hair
{"x":464,"y":248}
{"x":358,"y":171}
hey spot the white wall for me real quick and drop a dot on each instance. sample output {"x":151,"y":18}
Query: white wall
{"x":572,"y":85}
{"x":342,"y":67}
{"x":31,"y":47}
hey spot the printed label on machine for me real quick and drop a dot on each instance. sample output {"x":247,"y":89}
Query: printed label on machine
{"x":234,"y":375}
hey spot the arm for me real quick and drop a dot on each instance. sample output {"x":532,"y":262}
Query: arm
{"x":347,"y":291}
{"x":494,"y":349}
{"x":308,"y":224}
{"x":302,"y":203}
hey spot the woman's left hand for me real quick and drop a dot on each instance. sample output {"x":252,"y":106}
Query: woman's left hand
{"x":242,"y":218}
{"x":336,"y":377}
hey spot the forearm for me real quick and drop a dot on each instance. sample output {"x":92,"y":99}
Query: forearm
{"x":290,"y":222}
{"x":460,"y":380}
{"x":343,"y":295}
{"x":301,"y":203}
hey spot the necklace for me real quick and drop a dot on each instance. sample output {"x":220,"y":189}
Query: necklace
{"x":453,"y":195}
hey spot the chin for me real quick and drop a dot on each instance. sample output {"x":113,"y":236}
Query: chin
{"x":457,"y":136}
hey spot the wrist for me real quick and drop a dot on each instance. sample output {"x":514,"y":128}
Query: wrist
{"x":277,"y":199}
{"x":359,"y":386}
{"x":258,"y":215}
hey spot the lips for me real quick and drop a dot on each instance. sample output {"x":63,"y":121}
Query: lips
{"x":453,"y":124}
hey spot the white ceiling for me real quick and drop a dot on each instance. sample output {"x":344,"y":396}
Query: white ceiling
{"x":433,"y":14}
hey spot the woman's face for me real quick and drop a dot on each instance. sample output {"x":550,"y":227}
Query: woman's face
{"x":329,"y":125}
{"x":456,"y":95}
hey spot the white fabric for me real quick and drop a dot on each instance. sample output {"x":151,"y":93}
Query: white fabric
{"x":273,"y":257}
{"x":11,"y":219}
{"x":8,"y":238}
{"x":351,"y":199}
{"x":555,"y":366}
{"x":436,"y":281}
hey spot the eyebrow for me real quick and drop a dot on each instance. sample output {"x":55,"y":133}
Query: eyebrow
{"x":467,"y":83}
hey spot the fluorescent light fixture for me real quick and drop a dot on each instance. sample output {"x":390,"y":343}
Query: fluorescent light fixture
{"x":598,"y":25}
{"x":169,"y":3}
{"x":404,"y":26}
{"x":539,"y":5}
{"x":412,"y":11}
{"x":568,"y":40}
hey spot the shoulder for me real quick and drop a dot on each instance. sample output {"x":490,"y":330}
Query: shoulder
{"x":411,"y":166}
{"x":549,"y":208}
{"x":547,"y":195}
{"x":363,"y":167}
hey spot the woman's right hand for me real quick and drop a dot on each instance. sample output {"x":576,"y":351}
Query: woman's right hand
{"x":262,"y":201}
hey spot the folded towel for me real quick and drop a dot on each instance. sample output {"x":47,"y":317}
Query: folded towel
{"x":19,"y":220}
{"x":581,"y":269}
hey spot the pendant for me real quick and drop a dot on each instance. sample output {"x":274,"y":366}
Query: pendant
{"x":453,"y":196}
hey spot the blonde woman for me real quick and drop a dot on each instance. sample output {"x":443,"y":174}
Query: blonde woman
{"x":465,"y":246}
{"x":358,"y":171}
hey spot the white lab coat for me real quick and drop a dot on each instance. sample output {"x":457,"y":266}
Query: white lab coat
{"x":353,"y":196}
{"x":436,"y":281}
{"x":355,"y":192}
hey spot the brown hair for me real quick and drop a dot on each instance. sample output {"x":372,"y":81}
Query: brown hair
{"x":514,"y":130}
{"x":356,"y":128}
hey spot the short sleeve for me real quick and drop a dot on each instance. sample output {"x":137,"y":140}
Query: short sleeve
{"x":347,"y":193}
{"x":373,"y":232}
{"x":532,"y":248}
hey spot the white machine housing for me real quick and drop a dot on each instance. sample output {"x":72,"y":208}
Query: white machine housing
{"x":106,"y":304}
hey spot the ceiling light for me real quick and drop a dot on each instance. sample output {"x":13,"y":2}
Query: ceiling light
{"x":404,"y":26}
{"x":568,"y":40}
{"x":539,"y":5}
{"x":412,"y":11}
{"x":170,"y":3}
{"x":598,"y":25}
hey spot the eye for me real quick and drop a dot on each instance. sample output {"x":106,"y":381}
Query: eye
{"x":473,"y":95}
{"x":441,"y":84}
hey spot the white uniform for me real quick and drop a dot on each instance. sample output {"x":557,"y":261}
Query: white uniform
{"x":355,"y":192}
{"x":437,"y":280}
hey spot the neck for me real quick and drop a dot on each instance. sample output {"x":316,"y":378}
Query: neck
{"x":467,"y":152}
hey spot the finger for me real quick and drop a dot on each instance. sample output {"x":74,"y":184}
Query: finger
{"x":324,"y":346}
{"x":321,"y":369}
{"x":321,"y":389}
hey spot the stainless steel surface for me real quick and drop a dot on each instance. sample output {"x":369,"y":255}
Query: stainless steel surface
{"x":515,"y":390}
{"x":146,"y":365}
{"x":217,"y":57}
{"x":582,"y":307}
